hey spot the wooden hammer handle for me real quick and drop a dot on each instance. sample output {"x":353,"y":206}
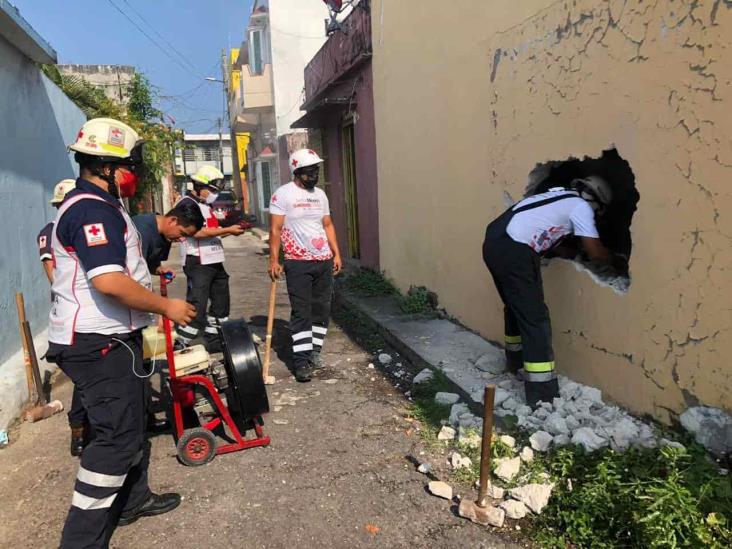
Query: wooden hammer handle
{"x":270,"y":325}
{"x":485,"y":453}
{"x":20,"y":304}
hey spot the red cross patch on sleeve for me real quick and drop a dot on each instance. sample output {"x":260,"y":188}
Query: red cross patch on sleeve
{"x":42,"y":241}
{"x":95,"y":235}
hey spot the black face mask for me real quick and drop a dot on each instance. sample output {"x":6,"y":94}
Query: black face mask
{"x":309,"y":177}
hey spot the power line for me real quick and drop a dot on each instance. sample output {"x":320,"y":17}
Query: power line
{"x":166,"y":52}
{"x":172,"y":47}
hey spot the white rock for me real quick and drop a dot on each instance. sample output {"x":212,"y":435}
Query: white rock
{"x":456,"y":411}
{"x":646,"y":437}
{"x":424,"y":468}
{"x":505,"y":384}
{"x":507,"y":468}
{"x":514,"y":509}
{"x":440,"y":489}
{"x":508,"y":440}
{"x":622,"y":434}
{"x":494,"y":364}
{"x":385,"y":359}
{"x":447,"y":399}
{"x":471,"y":439}
{"x":488,"y":516}
{"x":561,"y":440}
{"x":534,"y":496}
{"x":666,"y":442}
{"x":572,"y":423}
{"x":556,"y":424}
{"x":711,"y":427}
{"x":541,"y":413}
{"x":510,"y":404}
{"x":569,"y":391}
{"x":592,"y":394}
{"x":460,"y":462}
{"x":501,"y":395}
{"x":423,"y":376}
{"x":527,"y":454}
{"x":446,"y":433}
{"x":588,"y":439}
{"x":540,"y":441}
{"x":546,"y":405}
{"x":523,"y":411}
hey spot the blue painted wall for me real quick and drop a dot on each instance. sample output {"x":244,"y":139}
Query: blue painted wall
{"x":37,"y":122}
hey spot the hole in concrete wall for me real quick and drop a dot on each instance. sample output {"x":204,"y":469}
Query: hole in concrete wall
{"x":614,"y":225}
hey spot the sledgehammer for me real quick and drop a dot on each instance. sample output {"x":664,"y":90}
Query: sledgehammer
{"x":479,"y":511}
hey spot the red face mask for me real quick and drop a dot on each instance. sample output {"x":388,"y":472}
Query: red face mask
{"x":128,"y":184}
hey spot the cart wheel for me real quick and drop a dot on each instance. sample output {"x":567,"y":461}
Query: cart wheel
{"x":196,"y":446}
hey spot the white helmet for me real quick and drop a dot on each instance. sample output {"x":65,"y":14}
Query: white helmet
{"x":60,"y":190}
{"x":594,"y":189}
{"x":206,"y":175}
{"x":107,"y":138}
{"x":303,"y":158}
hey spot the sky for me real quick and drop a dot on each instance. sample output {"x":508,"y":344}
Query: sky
{"x":93,"y":32}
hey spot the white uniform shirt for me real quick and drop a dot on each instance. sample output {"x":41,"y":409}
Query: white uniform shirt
{"x":208,"y":250}
{"x":544,"y":226}
{"x":303,"y":233}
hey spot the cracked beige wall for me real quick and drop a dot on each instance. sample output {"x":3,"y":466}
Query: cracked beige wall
{"x":455,"y":130}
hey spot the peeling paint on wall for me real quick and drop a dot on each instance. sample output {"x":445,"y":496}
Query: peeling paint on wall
{"x":568,"y":79}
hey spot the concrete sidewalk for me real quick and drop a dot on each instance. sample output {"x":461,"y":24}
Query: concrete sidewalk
{"x":338,"y":473}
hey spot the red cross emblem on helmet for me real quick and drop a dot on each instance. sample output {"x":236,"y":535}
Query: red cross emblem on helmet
{"x":295,"y":163}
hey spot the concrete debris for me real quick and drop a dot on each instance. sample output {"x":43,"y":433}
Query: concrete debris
{"x":570,"y":390}
{"x":507,"y":468}
{"x":622,"y":434}
{"x":672,"y":443}
{"x":440,"y":489}
{"x":487,"y":516}
{"x":514,"y":509}
{"x":447,"y":399}
{"x":556,"y":424}
{"x":501,"y":395}
{"x":460,"y":462}
{"x":527,"y":454}
{"x":331,"y":381}
{"x":491,"y":363}
{"x":385,"y":359}
{"x":423,"y":376}
{"x":561,"y":440}
{"x":541,"y":413}
{"x":588,"y":439}
{"x":446,"y":433}
{"x":456,"y":411}
{"x":371,"y":365}
{"x":523,"y":411}
{"x":510,"y":404}
{"x":424,"y":468}
{"x":711,"y":427}
{"x":540,"y":441}
{"x":280,"y":421}
{"x":592,"y":394}
{"x":534,"y":496}
{"x":494,"y":492}
{"x":508,"y":440}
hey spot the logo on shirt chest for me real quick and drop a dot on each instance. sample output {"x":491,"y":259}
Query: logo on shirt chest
{"x":95,"y":235}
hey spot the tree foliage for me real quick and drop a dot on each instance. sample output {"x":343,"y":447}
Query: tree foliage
{"x":139,"y":113}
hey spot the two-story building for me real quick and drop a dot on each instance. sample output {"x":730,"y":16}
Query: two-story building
{"x":265,"y":89}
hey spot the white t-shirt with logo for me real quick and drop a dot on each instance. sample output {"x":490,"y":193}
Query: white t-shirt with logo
{"x":542,"y":227}
{"x":303,"y":234}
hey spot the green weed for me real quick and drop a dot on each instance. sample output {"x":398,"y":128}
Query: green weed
{"x":369,"y":283}
{"x":418,"y":300}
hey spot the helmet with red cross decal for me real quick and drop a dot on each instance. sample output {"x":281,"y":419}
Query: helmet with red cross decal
{"x":108,"y":139}
{"x":302,"y":159}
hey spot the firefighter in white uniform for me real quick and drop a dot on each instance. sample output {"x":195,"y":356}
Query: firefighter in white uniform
{"x":102,"y":298}
{"x":204,"y":264}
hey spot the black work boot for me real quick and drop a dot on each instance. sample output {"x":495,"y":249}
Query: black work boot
{"x":78,"y":440}
{"x":156,"y":504}
{"x":303,"y":374}
{"x":541,"y":391}
{"x":316,"y":361}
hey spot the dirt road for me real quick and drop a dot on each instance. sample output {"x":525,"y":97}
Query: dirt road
{"x":336,"y":474}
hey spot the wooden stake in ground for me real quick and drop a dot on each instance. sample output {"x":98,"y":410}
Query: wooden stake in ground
{"x":20,"y":304}
{"x":268,"y":379}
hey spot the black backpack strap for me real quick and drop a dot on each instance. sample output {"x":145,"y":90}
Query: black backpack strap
{"x":544,"y":202}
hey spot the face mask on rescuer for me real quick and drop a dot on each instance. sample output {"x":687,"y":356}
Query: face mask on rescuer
{"x":211,"y":198}
{"x":128,"y":185}
{"x":309,"y":181}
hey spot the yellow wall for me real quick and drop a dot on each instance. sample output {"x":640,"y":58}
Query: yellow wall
{"x":574,"y":78}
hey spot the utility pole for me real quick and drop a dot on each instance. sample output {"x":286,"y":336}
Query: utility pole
{"x":221,"y":147}
{"x":225,"y":89}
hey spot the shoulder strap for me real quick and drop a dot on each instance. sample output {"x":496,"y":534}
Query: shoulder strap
{"x":544,"y":202}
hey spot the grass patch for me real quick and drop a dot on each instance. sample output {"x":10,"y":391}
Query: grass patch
{"x":369,"y":283}
{"x":418,"y":300}
{"x":359,"y":327}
